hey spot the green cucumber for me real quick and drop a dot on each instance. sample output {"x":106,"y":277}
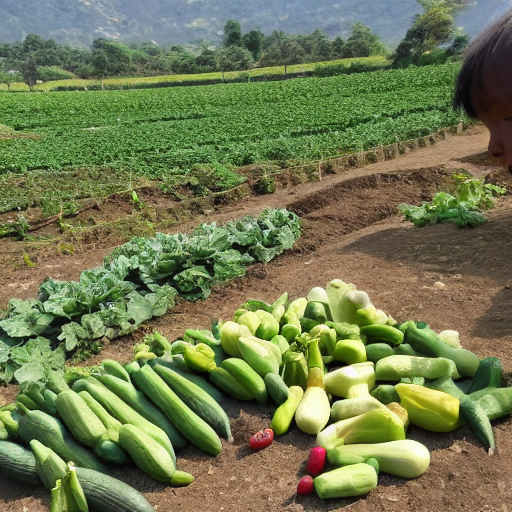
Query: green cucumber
{"x":197,"y":400}
{"x":52,"y":433}
{"x":122,"y":411}
{"x":247,"y":377}
{"x":189,"y":424}
{"x":18,"y":463}
{"x":276,"y":388}
{"x":107,"y":494}
{"x":136,"y":399}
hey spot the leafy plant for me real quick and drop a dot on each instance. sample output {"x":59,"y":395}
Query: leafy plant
{"x":462,"y":207}
{"x":138,"y":281}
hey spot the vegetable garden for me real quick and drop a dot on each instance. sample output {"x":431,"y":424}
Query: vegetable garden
{"x":410,"y":285}
{"x":149,"y":132}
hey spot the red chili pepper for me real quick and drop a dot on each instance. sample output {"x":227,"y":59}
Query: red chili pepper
{"x":261,"y":439}
{"x":305,"y":485}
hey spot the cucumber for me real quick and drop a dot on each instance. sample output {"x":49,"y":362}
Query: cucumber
{"x":112,"y":424}
{"x":283,"y":416}
{"x":225,"y":381}
{"x":475,"y":418}
{"x":198,"y":380}
{"x":110,"y":451}
{"x":136,"y":399}
{"x":247,"y":377}
{"x":197,"y":400}
{"x":189,"y":424}
{"x":18,"y":463}
{"x":149,"y":455}
{"x":276,"y":388}
{"x":122,"y":411}
{"x":489,"y":374}
{"x":85,"y":426}
{"x":113,"y":367}
{"x":105,"y":493}
{"x":51,"y":432}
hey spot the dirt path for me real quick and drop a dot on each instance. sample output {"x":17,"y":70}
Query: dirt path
{"x":351,"y":232}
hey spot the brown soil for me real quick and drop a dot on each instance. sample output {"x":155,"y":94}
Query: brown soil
{"x":352,"y":232}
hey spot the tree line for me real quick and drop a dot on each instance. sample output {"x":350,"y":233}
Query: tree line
{"x":35,"y":58}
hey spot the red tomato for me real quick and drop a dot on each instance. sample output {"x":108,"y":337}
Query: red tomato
{"x":261,"y":439}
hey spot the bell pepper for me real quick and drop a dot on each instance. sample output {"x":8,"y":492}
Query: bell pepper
{"x":428,"y":408}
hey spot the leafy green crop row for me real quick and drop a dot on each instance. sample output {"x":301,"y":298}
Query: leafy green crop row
{"x":137,"y":282}
{"x":149,"y":132}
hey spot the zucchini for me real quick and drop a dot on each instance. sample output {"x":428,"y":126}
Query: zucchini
{"x":149,"y":456}
{"x":190,"y":425}
{"x":52,"y":433}
{"x":122,"y":411}
{"x":136,"y":399}
{"x":107,"y":494}
{"x":197,"y":400}
{"x":247,"y":377}
{"x":313,"y":411}
{"x":18,"y":463}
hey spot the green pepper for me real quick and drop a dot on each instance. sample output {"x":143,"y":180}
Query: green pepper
{"x":206,"y":336}
{"x":158,"y":343}
{"x":199,"y":359}
{"x":295,"y":371}
{"x":250,"y":320}
{"x":281,"y":342}
{"x":179,"y":346}
{"x":327,"y":336}
{"x":279,"y":306}
{"x":316,"y":311}
{"x":268,"y":327}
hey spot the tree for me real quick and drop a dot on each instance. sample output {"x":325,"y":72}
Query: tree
{"x":232,"y":34}
{"x":206,"y":61}
{"x":452,"y":6}
{"x":29,"y":72}
{"x":432,"y":28}
{"x":253,"y":41}
{"x":362,"y":43}
{"x":285,"y":53}
{"x":233,"y":58}
{"x":110,"y":57}
{"x":8,"y":78}
{"x":337,"y":47}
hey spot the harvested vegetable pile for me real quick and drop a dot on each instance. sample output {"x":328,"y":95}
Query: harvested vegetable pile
{"x":335,"y":366}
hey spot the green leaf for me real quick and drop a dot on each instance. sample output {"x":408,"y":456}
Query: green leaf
{"x":27,"y":324}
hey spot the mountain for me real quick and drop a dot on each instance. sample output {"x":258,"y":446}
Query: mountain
{"x":167,"y":22}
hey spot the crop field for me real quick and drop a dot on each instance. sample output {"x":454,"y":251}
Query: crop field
{"x":150,"y":132}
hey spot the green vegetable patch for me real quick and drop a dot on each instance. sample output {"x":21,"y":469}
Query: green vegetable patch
{"x":136,"y":282}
